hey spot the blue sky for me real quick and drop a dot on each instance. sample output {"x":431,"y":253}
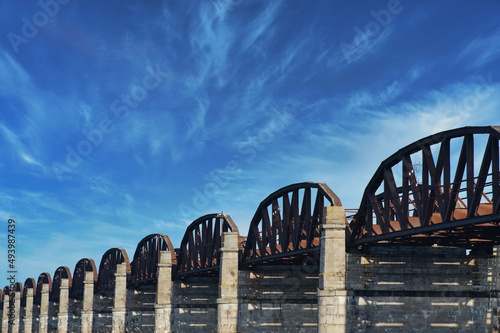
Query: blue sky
{"x":122,"y":119}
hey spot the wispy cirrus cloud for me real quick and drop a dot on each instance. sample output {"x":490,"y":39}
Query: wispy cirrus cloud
{"x":481,"y":51}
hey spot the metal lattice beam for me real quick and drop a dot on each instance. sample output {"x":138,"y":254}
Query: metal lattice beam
{"x":107,"y":267}
{"x":287,"y":222}
{"x":82,"y":266}
{"x":147,"y":256}
{"x":454,"y":203}
{"x":199,"y":250}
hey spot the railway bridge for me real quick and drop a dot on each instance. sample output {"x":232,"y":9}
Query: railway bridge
{"x":419,"y":255}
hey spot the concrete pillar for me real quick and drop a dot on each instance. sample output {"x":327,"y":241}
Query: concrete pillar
{"x":14,"y":328}
{"x":332,"y":294}
{"x":5,"y":314}
{"x":119,"y":308}
{"x":227,"y":303}
{"x":62,"y":315}
{"x":44,"y":309}
{"x":163,"y":305}
{"x":88,"y":303}
{"x":28,"y":313}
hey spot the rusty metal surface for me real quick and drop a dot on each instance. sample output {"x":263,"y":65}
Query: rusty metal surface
{"x":43,"y":278}
{"x":82,"y":266}
{"x":286,"y":223}
{"x":107,"y":268}
{"x":147,"y":255}
{"x":199,"y":250}
{"x":30,"y":283}
{"x":456,"y":202}
{"x":62,"y":272}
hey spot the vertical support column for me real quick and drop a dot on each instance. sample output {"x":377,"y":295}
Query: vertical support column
{"x":227,"y":303}
{"x":62,"y":315}
{"x":87,"y":316}
{"x":5,"y":314}
{"x":119,"y":308}
{"x":44,"y":309}
{"x":332,"y":293}
{"x":163,"y":306}
{"x":28,"y":313}
{"x":17,"y":312}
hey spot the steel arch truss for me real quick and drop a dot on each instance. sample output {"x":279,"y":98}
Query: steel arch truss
{"x":61,"y":272}
{"x":82,"y":266}
{"x":43,"y":278}
{"x":147,"y":257}
{"x":30,"y":283}
{"x":199,"y":250}
{"x":107,"y":268}
{"x":287,"y":222}
{"x":443,"y":189}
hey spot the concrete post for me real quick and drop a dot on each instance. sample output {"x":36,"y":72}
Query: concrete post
{"x":227,"y":303}
{"x":119,"y":308}
{"x":17,"y":312}
{"x":5,"y":314}
{"x":88,"y":303}
{"x":62,"y":315}
{"x":44,"y":309}
{"x":163,"y":305}
{"x":332,"y":294}
{"x":28,"y":313}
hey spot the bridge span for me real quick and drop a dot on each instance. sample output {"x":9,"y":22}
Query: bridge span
{"x":420,"y":254}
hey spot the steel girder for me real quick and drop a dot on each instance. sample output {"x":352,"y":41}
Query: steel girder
{"x":147,"y":256}
{"x":43,"y":278}
{"x":200,"y":247}
{"x":455,"y":202}
{"x":62,"y":272}
{"x":287,"y":222}
{"x":107,"y":268}
{"x":30,"y":283}
{"x":82,"y":266}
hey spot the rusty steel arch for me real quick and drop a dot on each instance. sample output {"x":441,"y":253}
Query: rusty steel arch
{"x":62,"y":272}
{"x":147,"y":257}
{"x":286,"y":223}
{"x":82,"y":266}
{"x":455,"y":203}
{"x":107,"y":268}
{"x":43,"y":278}
{"x":30,"y":283}
{"x":199,"y":250}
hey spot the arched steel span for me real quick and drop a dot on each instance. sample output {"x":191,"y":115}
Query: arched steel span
{"x":107,"y":268}
{"x":30,"y":283}
{"x":199,"y":250}
{"x":443,"y":189}
{"x":287,"y":222}
{"x":62,"y":272}
{"x":43,"y":278}
{"x":147,"y":256}
{"x":82,"y":266}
